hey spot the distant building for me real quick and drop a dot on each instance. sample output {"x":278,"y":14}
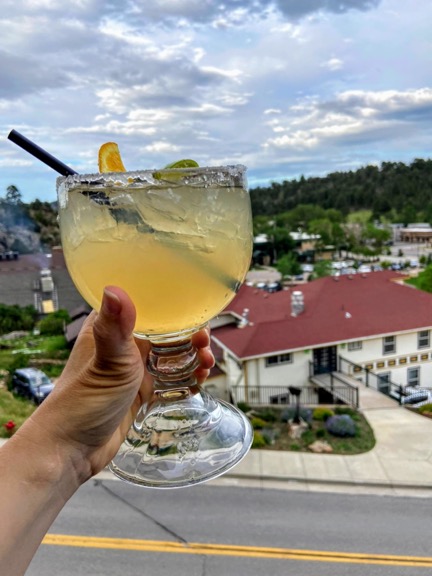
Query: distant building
{"x":39,"y":280}
{"x":417,"y":233}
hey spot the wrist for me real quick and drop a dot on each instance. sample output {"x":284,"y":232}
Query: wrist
{"x":48,"y":460}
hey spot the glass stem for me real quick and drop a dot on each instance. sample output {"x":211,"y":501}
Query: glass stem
{"x":172,"y":365}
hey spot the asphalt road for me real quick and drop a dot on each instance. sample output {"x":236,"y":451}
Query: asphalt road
{"x":110,"y":528}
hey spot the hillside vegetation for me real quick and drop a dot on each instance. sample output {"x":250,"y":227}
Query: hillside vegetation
{"x":395,"y":191}
{"x":392,"y":192}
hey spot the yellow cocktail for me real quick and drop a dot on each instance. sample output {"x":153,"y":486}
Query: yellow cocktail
{"x":178,"y":241}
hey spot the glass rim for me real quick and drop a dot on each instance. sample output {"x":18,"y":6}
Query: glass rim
{"x":192,"y":175}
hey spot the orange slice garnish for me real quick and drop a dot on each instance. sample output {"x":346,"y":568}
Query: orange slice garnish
{"x":109,"y":158}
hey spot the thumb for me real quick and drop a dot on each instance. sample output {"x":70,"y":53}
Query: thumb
{"x":112,"y":329}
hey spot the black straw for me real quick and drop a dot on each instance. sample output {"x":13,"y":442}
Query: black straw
{"x":40,"y":154}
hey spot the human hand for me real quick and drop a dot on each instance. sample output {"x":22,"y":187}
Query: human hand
{"x":104,"y":383}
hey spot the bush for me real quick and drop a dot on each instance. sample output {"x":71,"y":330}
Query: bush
{"x":270,"y":435}
{"x":341,"y":425}
{"x":289,"y":413}
{"x":243,"y":407}
{"x":258,"y":440}
{"x":54,"y":323}
{"x":345,"y":410}
{"x":348,"y":410}
{"x":268,"y":415}
{"x":425,"y":408}
{"x":322,"y":414}
{"x":258,"y":423}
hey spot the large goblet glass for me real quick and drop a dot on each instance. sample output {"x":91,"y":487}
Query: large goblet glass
{"x":179,"y":242}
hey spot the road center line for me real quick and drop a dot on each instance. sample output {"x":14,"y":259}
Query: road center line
{"x":230,"y":550}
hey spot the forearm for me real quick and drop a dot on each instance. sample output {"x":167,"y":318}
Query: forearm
{"x":38,"y":475}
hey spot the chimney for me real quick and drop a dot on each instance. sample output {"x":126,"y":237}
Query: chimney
{"x":297,"y":303}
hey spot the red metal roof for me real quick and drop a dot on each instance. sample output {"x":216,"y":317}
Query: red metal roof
{"x":335,"y":310}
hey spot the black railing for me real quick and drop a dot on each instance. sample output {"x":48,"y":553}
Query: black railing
{"x":273,"y":395}
{"x":338,"y":388}
{"x":371,"y":379}
{"x":337,"y":391}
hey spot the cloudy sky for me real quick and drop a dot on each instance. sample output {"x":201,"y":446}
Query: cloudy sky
{"x":286,"y":87}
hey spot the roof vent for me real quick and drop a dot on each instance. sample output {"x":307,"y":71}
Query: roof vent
{"x":297,"y":303}
{"x":244,"y":319}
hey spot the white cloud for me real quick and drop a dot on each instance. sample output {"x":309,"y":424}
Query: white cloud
{"x":286,"y":86}
{"x":161,"y":146}
{"x":333,"y":64}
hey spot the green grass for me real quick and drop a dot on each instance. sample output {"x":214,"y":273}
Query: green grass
{"x":13,"y":408}
{"x":48,"y":353}
{"x":20,"y":353}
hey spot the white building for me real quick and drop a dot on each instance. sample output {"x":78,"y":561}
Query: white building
{"x":370,"y":327}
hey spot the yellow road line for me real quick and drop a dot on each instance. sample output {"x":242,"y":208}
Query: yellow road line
{"x":240,"y":551}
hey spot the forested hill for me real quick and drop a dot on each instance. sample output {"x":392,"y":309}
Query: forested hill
{"x":401,"y":192}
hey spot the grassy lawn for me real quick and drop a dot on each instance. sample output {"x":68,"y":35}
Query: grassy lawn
{"x":13,"y":408}
{"x":271,"y":431}
{"x":48,"y":353}
{"x":33,"y":350}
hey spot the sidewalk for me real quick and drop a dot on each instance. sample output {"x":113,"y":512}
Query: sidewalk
{"x":401,"y":459}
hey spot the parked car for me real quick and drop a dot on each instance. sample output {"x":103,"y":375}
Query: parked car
{"x":31,"y":383}
{"x":417,"y":398}
{"x":273,"y":287}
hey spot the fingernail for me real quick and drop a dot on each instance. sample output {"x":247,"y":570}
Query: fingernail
{"x":111,"y":303}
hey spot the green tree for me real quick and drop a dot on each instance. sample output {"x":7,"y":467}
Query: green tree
{"x":288,"y":265}
{"x":53,"y":324}
{"x":16,"y":318}
{"x":321,"y":268}
{"x":13,"y":195}
{"x":423,"y":280}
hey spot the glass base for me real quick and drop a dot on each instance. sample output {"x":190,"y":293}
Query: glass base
{"x":182,"y":441}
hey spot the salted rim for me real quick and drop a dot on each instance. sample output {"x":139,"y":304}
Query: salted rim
{"x":231,"y":175}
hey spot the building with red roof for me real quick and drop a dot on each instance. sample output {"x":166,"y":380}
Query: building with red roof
{"x":359,"y":324}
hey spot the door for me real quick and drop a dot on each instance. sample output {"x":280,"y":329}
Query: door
{"x":325,"y":360}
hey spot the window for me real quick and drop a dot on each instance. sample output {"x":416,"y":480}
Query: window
{"x":423,"y":339}
{"x":389,"y":345}
{"x":413,"y":376}
{"x":384,"y":382}
{"x":355,"y":345}
{"x":278,"y":359}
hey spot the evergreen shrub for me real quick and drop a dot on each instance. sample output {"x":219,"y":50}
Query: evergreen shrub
{"x":341,"y":425}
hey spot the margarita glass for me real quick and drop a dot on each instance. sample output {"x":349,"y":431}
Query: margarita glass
{"x":179,"y":242}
